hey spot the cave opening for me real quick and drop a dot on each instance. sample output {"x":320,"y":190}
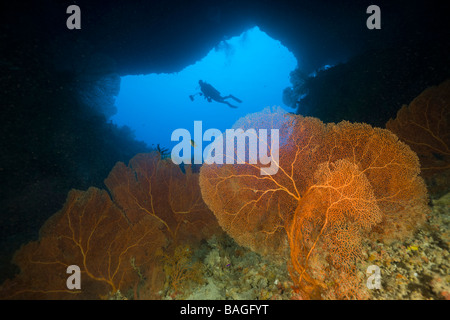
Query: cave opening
{"x":253,"y":67}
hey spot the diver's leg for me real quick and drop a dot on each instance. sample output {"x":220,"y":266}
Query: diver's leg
{"x":233,"y":97}
{"x":221,"y":100}
{"x":226,"y":102}
{"x":229,"y":104}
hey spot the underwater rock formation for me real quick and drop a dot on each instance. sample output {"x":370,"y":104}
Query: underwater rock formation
{"x":338,"y":185}
{"x":360,"y":90}
{"x":424,"y":126}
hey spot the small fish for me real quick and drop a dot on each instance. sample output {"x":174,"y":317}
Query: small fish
{"x":412,"y":248}
{"x":193,"y":143}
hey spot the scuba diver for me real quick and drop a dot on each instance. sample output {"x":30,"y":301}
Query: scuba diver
{"x":210,"y":93}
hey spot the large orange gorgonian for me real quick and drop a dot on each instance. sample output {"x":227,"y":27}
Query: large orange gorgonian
{"x":92,"y":233}
{"x":118,"y":244}
{"x":158,"y":188}
{"x":337,"y":186}
{"x":425,"y":126}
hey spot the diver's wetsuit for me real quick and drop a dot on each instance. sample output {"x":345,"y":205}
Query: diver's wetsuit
{"x":211,"y":93}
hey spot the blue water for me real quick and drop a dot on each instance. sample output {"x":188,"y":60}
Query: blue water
{"x":252,"y":67}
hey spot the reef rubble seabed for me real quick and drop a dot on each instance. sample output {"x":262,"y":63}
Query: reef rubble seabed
{"x":416,"y":269}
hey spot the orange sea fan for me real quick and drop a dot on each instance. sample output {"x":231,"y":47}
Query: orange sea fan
{"x":117,"y":244}
{"x":425,"y":126}
{"x":254,"y":208}
{"x":92,"y":233}
{"x":151,"y":186}
{"x":337,"y":185}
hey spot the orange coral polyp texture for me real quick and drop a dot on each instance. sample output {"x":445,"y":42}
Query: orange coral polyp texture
{"x":337,"y":186}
